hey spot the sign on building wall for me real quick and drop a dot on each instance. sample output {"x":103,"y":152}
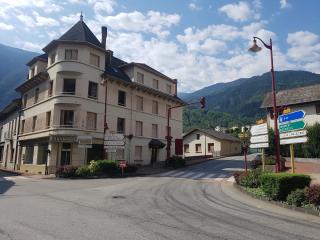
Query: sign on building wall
{"x":291,"y":128}
{"x":84,"y":141}
{"x":259,"y":136}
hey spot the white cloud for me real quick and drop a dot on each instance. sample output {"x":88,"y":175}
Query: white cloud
{"x":70,"y":19}
{"x":194,"y":7}
{"x":26,"y":20}
{"x":153,"y":22}
{"x":284,"y":4}
{"x":302,"y":38}
{"x":103,"y":6}
{"x":29,"y":46}
{"x":45,"y":21}
{"x":4,"y":26}
{"x":237,"y":11}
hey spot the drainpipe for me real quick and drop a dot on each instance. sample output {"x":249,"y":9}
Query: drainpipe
{"x":17,"y":138}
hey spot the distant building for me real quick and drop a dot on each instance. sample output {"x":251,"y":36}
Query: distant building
{"x":220,"y":129}
{"x":205,"y":143}
{"x":302,"y":98}
{"x":63,"y":102}
{"x":9,"y":125}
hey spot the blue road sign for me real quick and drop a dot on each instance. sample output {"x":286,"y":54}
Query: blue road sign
{"x":291,"y":116}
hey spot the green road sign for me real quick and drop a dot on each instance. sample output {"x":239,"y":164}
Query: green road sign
{"x":287,"y":127}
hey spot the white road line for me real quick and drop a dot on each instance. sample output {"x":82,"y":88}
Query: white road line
{"x":198,"y":176}
{"x":222,"y":176}
{"x":209,"y":176}
{"x":188,"y":174}
{"x":219,"y":179}
{"x":231,"y":179}
{"x":177,"y":174}
{"x":167,"y":173}
{"x":14,"y":178}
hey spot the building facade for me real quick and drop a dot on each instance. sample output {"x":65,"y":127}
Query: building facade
{"x":208,"y":143}
{"x":70,"y":91}
{"x":303,"y":98}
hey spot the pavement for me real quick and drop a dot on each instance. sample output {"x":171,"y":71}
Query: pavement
{"x":313,"y":169}
{"x":196,"y":202}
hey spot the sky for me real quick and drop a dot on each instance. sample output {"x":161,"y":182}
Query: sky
{"x":199,"y":42}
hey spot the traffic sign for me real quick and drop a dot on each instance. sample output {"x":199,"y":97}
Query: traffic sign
{"x":113,"y":143}
{"x":291,"y":116}
{"x":113,"y":147}
{"x":293,"y":134}
{"x":259,"y":129}
{"x":259,"y":145}
{"x":113,"y":137}
{"x":293,"y":140}
{"x":259,"y":139}
{"x":291,"y":126}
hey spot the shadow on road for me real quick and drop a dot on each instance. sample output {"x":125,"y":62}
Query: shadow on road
{"x":5,"y":184}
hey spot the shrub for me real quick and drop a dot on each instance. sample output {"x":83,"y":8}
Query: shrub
{"x":66,"y":171}
{"x":83,"y":171}
{"x":313,"y":194}
{"x":176,"y":162}
{"x":100,"y":167}
{"x":296,"y":197}
{"x":278,"y":185}
{"x":250,"y":179}
{"x":130,"y":168}
{"x":236,"y":176}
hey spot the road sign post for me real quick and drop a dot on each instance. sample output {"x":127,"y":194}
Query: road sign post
{"x":292,"y":158}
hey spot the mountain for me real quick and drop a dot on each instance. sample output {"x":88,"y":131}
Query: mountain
{"x":240,"y":99}
{"x":13,"y":71}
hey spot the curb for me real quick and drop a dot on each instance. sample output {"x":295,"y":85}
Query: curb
{"x":10,"y":171}
{"x":280,"y":204}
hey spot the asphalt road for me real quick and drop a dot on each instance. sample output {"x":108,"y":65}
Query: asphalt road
{"x":198,"y":202}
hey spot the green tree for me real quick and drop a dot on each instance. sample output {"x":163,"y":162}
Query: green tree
{"x":312,"y":147}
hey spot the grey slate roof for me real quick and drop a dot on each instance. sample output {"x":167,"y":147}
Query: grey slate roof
{"x":215,"y":134}
{"x":294,"y":96}
{"x":42,"y":57}
{"x":11,"y":107}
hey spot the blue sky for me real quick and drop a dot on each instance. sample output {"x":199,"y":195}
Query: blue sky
{"x":199,"y":42}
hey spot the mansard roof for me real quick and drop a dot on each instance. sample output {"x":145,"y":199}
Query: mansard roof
{"x":42,"y":57}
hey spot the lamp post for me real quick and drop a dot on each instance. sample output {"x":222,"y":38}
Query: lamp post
{"x":202,"y":102}
{"x":105,"y":125}
{"x":256,"y":48}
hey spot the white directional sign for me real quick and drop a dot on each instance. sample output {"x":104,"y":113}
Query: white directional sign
{"x":293,"y":134}
{"x":259,"y":139}
{"x":259,"y":129}
{"x":293,"y":140}
{"x":114,"y":143}
{"x":113,"y":147}
{"x":113,"y":137}
{"x":259,"y":145}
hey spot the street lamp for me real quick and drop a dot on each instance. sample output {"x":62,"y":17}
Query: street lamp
{"x":255,"y":48}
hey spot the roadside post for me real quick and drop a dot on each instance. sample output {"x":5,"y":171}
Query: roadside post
{"x":292,"y":131}
{"x":260,"y":139}
{"x":245,"y":146}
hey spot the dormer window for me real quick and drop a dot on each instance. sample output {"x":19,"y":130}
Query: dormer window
{"x":71,"y":54}
{"x":140,"y":78}
{"x":32,"y":72}
{"x":94,"y":60}
{"x":52,"y":58}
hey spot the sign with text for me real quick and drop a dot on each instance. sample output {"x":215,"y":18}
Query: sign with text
{"x":113,"y":137}
{"x":293,"y":140}
{"x":294,"y":134}
{"x":259,"y":138}
{"x":259,"y":145}
{"x":293,"y":116}
{"x":113,"y":147}
{"x":259,"y":129}
{"x":292,"y":126}
{"x":114,"y":143}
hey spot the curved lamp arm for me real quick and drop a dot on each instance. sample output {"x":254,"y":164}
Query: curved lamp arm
{"x":266,"y":45}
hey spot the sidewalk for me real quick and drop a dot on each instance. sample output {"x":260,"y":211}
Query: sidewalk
{"x":312,"y":169}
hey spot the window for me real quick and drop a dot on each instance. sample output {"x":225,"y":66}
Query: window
{"x":69,"y":86}
{"x":138,"y":128}
{"x":25,"y":100}
{"x":42,"y":153}
{"x":66,"y":118}
{"x":167,"y":110}
{"x":93,"y":90}
{"x":28,"y":158}
{"x":121,"y":98}
{"x":65,"y":158}
{"x":138,"y":153}
{"x":198,"y":148}
{"x":154,"y":130}
{"x":48,"y":119}
{"x":155,"y":84}
{"x":168,"y":88}
{"x":139,"y":103}
{"x":140,"y":78}
{"x":22,"y":126}
{"x":52,"y":58}
{"x":91,"y":121}
{"x":210,"y":147}
{"x":71,"y":54}
{"x":186,"y":148}
{"x":121,"y":125}
{"x":34,"y":122}
{"x":32,"y":72}
{"x":36,"y":95}
{"x":50,"y":87}
{"x":154,"y":107}
{"x":198,"y":136}
{"x":318,"y":109}
{"x":94,"y":60}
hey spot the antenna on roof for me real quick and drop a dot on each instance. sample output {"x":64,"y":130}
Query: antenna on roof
{"x":81,"y":17}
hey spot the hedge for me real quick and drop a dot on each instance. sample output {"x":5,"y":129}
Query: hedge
{"x":277,"y":186}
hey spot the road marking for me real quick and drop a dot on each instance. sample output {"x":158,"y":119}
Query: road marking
{"x":168,"y":173}
{"x":231,"y":179}
{"x":177,"y":174}
{"x":197,"y":176}
{"x":14,"y":178}
{"x":211,"y":175}
{"x":187,"y":175}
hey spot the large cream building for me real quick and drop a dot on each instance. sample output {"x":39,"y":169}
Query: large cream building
{"x":63,"y":103}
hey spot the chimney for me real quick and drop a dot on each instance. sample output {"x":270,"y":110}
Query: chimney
{"x":175,"y":87}
{"x":104,"y":33}
{"x":109,"y":56}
